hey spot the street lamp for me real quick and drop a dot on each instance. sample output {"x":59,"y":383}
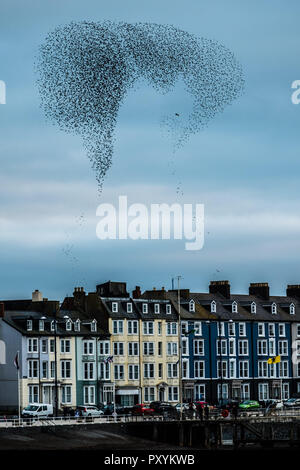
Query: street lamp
{"x":210,"y":359}
{"x":180,"y":346}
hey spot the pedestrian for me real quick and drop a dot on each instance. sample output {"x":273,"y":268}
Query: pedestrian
{"x":234,"y":411}
{"x":206,"y":412}
{"x":200,"y":411}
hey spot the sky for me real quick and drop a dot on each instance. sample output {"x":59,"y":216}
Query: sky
{"x":244,"y":166}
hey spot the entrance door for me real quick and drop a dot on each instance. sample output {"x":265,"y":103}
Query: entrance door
{"x":161,"y":394}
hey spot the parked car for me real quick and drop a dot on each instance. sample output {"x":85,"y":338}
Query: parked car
{"x":37,"y":410}
{"x":164,"y":408}
{"x":227,"y":403}
{"x":89,"y":411}
{"x":120,"y":410}
{"x":185,"y":407}
{"x":249,"y":405}
{"x":292,"y":403}
{"x":142,"y":409}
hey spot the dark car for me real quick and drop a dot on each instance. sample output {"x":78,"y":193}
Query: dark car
{"x":227,"y":404}
{"x":164,"y":408}
{"x":142,"y":409}
{"x":120,"y":410}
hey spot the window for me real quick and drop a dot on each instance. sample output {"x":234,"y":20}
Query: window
{"x":274,"y":308}
{"x":184,"y":327}
{"x":45,"y":370}
{"x":145,"y":308}
{"x":77,"y":325}
{"x":33,"y":369}
{"x":94,"y":326}
{"x":222,"y":347}
{"x":172,"y":349}
{"x":171,"y":328}
{"x":168,"y":309}
{"x":222,"y":372}
{"x":198,"y":328}
{"x":29,"y":325}
{"x":129,"y":307}
{"x":159,"y":328}
{"x":172,"y":368}
{"x":104,"y":371}
{"x":89,"y":395}
{"x":118,"y":327}
{"x":272,"y":347}
{"x":119,"y":372}
{"x":242,"y":329}
{"x":160,"y":348}
{"x":160,"y":370}
{"x":198,"y":347}
{"x":272,"y":371}
{"x":263,"y":392}
{"x":262,"y":347}
{"x":199,"y":369}
{"x":32,"y":345}
{"x":149,"y":371}
{"x":149,"y":394}
{"x":253,"y":307}
{"x":213,"y":307}
{"x":104,"y":348}
{"x":261,"y":329}
{"x":232,"y":369}
{"x":65,"y":346}
{"x":281,"y":329}
{"x":65,"y":369}
{"x":132,"y":327}
{"x":53,"y":325}
{"x":231,"y":329}
{"x":33,"y":393}
{"x":185,"y":369}
{"x":283,"y":369}
{"x":68,"y":325}
{"x":52,"y":346}
{"x":148,"y":349}
{"x":244,"y":369}
{"x":66,"y":395}
{"x":222,"y":391}
{"x":232,"y":347}
{"x":283,"y":348}
{"x":133,"y":349}
{"x":271,"y":329}
{"x":156,"y":308}
{"x":185,"y":346}
{"x":298,"y":329}
{"x":52,"y":369}
{"x":118,"y":349}
{"x":243,"y":347}
{"x":262,"y":369}
{"x":234,"y":307}
{"x":191,"y":306}
{"x":41,"y":325}
{"x":221,"y":329}
{"x":44,"y":346}
{"x":292,"y":309}
{"x":148,"y":328}
{"x":133,"y":372}
{"x":114,"y":307}
{"x":173,"y":394}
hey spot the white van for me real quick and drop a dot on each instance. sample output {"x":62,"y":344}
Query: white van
{"x":37,"y":410}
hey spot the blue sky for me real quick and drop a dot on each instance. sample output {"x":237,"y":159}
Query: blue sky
{"x":244,"y":166}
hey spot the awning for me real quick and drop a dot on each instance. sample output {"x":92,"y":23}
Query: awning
{"x":127,"y":392}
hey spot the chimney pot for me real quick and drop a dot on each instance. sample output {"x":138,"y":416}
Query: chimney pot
{"x":293,"y":290}
{"x":260,"y":289}
{"x":220,"y":287}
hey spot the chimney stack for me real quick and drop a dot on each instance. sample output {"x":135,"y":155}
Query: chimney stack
{"x":37,"y":296}
{"x":260,"y":289}
{"x":1,"y":310}
{"x":293,"y":290}
{"x":136,"y":293}
{"x":220,"y":287}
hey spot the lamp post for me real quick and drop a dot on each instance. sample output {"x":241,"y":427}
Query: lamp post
{"x":55,"y":369}
{"x":210,"y":359}
{"x":180,"y":346}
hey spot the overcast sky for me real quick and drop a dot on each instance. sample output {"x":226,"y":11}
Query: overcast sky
{"x":244,"y":166}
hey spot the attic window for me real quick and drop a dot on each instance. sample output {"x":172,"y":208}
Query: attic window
{"x":114,"y":307}
{"x":192,"y":306}
{"x":253,"y":307}
{"x":94,"y":325}
{"x":41,"y":325}
{"x":213,"y":307}
{"x":52,"y":327}
{"x":274,"y":308}
{"x":68,"y":325}
{"x":29,"y":325}
{"x":156,"y":308}
{"x":292,"y":309}
{"x":234,"y":307}
{"x":129,"y":307}
{"x":145,"y":308}
{"x":77,"y":325}
{"x":168,"y":308}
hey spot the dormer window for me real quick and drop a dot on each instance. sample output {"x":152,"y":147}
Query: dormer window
{"x":129,"y":307}
{"x":253,"y":307}
{"x":292,"y":309}
{"x":145,"y":308}
{"x":41,"y":325}
{"x":168,"y":308}
{"x":213,"y":307}
{"x":274,"y":308}
{"x":114,"y":307}
{"x":234,"y":307}
{"x":192,"y":306}
{"x":156,"y":308}
{"x":94,"y":326}
{"x":77,"y":325}
{"x":52,"y":325}
{"x":29,"y":325}
{"x":68,"y":325}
